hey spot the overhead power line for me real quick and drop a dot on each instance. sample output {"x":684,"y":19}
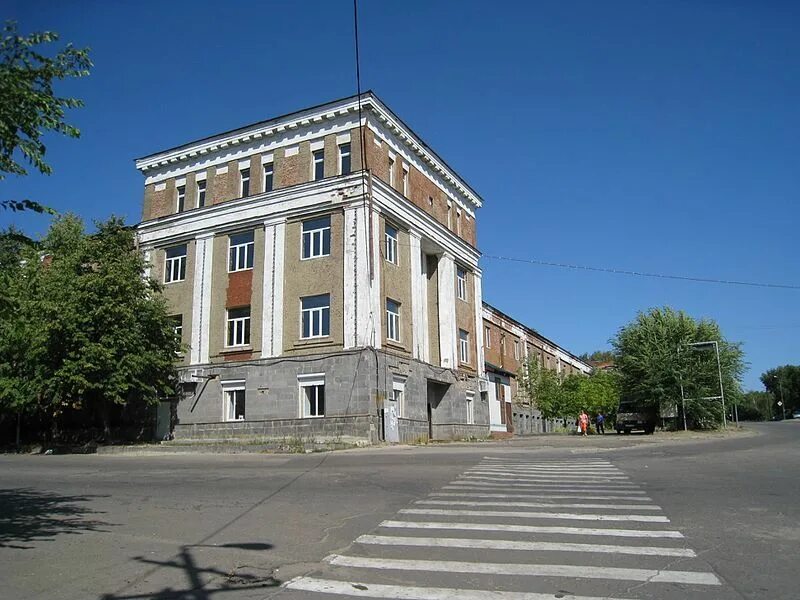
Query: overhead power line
{"x":546,"y":263}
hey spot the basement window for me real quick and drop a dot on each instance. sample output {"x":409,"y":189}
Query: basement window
{"x":234,"y":400}
{"x":312,"y":395}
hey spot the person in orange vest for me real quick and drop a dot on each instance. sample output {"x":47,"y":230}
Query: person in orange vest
{"x":584,"y":423}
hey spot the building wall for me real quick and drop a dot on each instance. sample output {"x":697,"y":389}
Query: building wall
{"x":178,"y":294}
{"x":396,"y":285}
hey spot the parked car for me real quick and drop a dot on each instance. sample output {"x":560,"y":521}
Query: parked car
{"x":632,"y":416}
{"x":796,"y":413}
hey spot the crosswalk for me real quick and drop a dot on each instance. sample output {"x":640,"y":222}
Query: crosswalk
{"x":521,"y":529}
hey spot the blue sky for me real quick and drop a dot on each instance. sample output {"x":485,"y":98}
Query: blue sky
{"x":648,"y":136}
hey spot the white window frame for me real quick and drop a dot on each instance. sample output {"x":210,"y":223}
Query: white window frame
{"x":461,"y":283}
{"x":242,"y":180}
{"x":268,"y":170}
{"x":201,"y":192}
{"x":316,"y":316}
{"x":317,"y":157}
{"x":228,"y":407}
{"x":399,"y":394}
{"x":240,"y":327}
{"x":180,"y":198}
{"x":470,"y":398}
{"x":458,"y":221}
{"x":392,"y":255}
{"x":313,"y":233}
{"x":308,"y":381}
{"x":516,"y":349}
{"x":173,"y":267}
{"x":449,"y":215}
{"x":348,"y":154}
{"x":177,"y":325}
{"x":487,"y":336}
{"x":405,"y":181}
{"x":463,"y":347}
{"x":393,"y":321}
{"x":391,"y":171}
{"x":237,"y":251}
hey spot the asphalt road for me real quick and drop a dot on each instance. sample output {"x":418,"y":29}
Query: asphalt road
{"x":614,"y":517}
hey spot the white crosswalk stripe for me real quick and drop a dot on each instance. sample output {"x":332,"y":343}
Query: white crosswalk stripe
{"x":499,"y":511}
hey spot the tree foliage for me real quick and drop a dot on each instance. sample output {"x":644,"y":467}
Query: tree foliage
{"x":653,"y":359}
{"x":756,"y":406}
{"x":598,"y":356}
{"x":784,"y":384}
{"x":29,"y":107}
{"x":84,"y":328}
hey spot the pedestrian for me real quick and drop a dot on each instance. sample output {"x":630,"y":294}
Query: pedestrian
{"x":584,"y":423}
{"x":601,"y":423}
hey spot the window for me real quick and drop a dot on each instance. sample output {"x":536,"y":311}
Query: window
{"x":398,"y":394}
{"x":392,"y":320}
{"x":470,"y":407}
{"x":502,"y":343}
{"x":234,"y":398}
{"x":269,"y":176}
{"x":516,"y":349}
{"x":177,"y":325}
{"x":487,"y":337}
{"x":201,"y":193}
{"x":463,"y":345}
{"x":405,"y":181}
{"x":449,"y":215}
{"x":344,"y":159}
{"x":180,"y":195}
{"x":391,"y":171}
{"x":430,"y":201}
{"x":458,"y":221}
{"x":175,"y":265}
{"x":244,"y":183}
{"x":461,"y":280}
{"x":316,"y":316}
{"x":391,"y":244}
{"x":312,"y":395}
{"x":319,"y":164}
{"x":317,"y":237}
{"x":240,"y":253}
{"x":238,"y":327}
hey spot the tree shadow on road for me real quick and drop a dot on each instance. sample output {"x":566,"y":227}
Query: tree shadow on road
{"x":28,"y":515}
{"x":203,"y":583}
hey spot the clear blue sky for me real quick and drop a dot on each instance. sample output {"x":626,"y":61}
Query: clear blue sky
{"x":650,"y":136}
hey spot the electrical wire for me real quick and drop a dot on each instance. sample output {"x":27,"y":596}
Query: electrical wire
{"x":546,"y":263}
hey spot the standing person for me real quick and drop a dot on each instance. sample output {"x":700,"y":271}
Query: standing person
{"x":601,"y":423}
{"x":584,"y":423}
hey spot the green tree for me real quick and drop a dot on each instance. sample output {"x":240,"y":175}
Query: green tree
{"x":95,"y":331}
{"x":756,"y":406}
{"x":654,"y":358}
{"x":784,"y":385}
{"x":597,"y":356}
{"x":29,"y":107}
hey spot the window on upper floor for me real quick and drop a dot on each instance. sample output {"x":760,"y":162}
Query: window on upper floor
{"x":238,"y":321}
{"x":177,"y":325}
{"x":344,"y":159}
{"x":461,"y":283}
{"x":180,"y":198}
{"x":516,"y":349}
{"x":487,"y":337}
{"x":317,"y":237}
{"x":463,"y":346}
{"x":244,"y":183}
{"x":201,"y":193}
{"x":315,"y":316}
{"x":391,"y":244}
{"x":405,"y":181}
{"x":269,"y":176}
{"x":391,"y":171}
{"x":458,"y":221}
{"x":241,"y":247}
{"x":449,"y":215}
{"x":318,"y":167}
{"x":502,"y":344}
{"x":175,"y":264}
{"x":392,"y":320}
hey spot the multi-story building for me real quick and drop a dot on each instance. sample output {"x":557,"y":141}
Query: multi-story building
{"x":508,"y":345}
{"x":323,"y":271}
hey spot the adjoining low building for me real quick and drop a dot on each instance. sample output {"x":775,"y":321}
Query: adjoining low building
{"x":508,"y":345}
{"x":323,"y":272}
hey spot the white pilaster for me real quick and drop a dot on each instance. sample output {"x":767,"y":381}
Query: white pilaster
{"x":147,"y":254}
{"x":448,"y":343}
{"x":357,"y":326}
{"x":478,"y":296}
{"x":375,"y":331}
{"x":272,"y":323}
{"x":419,"y":298}
{"x":201,"y":298}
